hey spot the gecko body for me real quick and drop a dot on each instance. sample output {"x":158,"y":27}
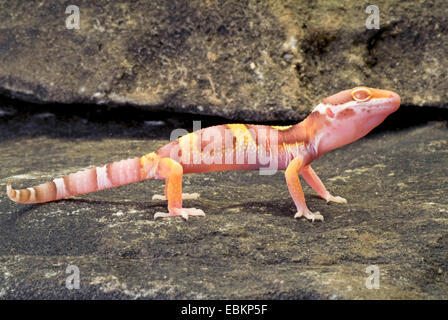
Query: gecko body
{"x":338,"y":120}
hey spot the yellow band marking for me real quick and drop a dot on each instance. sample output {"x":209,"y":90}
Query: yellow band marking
{"x":243,"y":136}
{"x":281,"y":128}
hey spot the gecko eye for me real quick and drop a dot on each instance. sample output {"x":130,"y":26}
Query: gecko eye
{"x":361,"y":94}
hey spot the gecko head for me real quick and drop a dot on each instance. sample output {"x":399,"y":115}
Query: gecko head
{"x":351,"y":114}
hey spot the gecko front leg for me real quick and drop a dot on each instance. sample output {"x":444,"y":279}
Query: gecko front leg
{"x":295,"y":189}
{"x":172,"y":172}
{"x":314,"y":182}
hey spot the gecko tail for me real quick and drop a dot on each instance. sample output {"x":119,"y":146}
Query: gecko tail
{"x":86,"y":181}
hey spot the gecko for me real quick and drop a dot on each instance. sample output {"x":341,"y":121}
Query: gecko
{"x":336,"y":121}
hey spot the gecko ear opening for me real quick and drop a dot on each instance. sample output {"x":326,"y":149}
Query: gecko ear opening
{"x":361,"y":94}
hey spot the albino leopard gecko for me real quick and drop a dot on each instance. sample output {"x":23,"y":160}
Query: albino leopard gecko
{"x":338,"y":120}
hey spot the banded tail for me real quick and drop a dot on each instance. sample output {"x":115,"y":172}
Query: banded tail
{"x":85,"y":181}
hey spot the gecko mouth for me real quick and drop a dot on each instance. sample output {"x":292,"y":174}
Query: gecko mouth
{"x":396,"y":101}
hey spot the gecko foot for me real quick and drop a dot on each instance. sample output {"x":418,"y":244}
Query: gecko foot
{"x":310,"y":215}
{"x":331,"y":198}
{"x":185,"y":196}
{"x":183,"y":212}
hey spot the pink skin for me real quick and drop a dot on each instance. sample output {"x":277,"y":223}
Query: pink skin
{"x":363,"y":117}
{"x":339,"y":120}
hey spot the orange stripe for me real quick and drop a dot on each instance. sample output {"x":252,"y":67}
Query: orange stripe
{"x":25,"y":194}
{"x":37,"y":193}
{"x":45,"y":192}
{"x":95,"y":177}
{"x":13,"y":193}
{"x":52,"y":190}
{"x":109,"y":177}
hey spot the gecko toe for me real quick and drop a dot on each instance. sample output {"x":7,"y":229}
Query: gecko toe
{"x":161,"y":215}
{"x":182,"y":212}
{"x":185,"y":196}
{"x":336,"y":199}
{"x":310,"y":215}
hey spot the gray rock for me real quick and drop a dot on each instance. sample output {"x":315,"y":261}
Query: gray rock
{"x":248,"y":245}
{"x":248,"y":60}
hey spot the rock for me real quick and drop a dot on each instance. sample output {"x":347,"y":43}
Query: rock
{"x":248,"y":245}
{"x":248,"y":60}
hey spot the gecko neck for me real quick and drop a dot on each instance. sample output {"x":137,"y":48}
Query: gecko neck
{"x":312,"y":128}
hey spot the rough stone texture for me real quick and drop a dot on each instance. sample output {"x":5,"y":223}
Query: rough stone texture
{"x":257,"y":60}
{"x":248,"y":245}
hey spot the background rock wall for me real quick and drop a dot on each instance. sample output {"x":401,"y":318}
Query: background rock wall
{"x":252,"y":60}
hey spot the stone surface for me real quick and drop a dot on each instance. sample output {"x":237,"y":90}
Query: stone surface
{"x":251,"y":60}
{"x":248,"y":245}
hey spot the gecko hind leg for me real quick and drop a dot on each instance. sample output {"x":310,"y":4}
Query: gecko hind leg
{"x":172,"y":171}
{"x":185,"y":196}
